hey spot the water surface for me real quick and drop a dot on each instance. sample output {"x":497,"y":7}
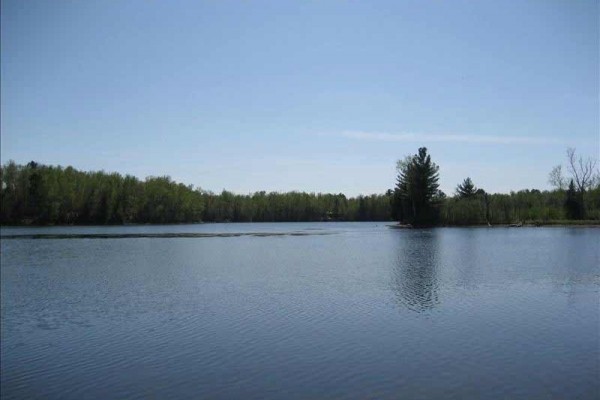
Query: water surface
{"x":327,"y":310}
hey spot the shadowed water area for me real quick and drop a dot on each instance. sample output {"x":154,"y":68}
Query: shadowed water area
{"x":304,"y":310}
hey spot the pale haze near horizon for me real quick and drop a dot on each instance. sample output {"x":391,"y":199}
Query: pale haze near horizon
{"x":310,"y":96}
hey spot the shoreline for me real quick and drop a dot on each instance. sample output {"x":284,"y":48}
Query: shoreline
{"x":390,"y":224}
{"x":527,"y":224}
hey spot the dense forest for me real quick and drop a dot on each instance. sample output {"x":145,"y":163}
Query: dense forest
{"x":40,"y":194}
{"x":46,"y":195}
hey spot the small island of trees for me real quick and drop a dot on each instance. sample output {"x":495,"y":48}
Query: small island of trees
{"x":36,"y":194}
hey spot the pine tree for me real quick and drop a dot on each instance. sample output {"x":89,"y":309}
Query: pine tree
{"x":417,"y":185}
{"x":466,"y":189}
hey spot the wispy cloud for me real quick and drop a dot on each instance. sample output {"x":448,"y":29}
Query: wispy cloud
{"x":427,"y":137}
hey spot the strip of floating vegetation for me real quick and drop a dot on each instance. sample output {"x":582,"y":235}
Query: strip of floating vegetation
{"x":526,"y":224}
{"x":157,"y":235}
{"x":568,"y":222}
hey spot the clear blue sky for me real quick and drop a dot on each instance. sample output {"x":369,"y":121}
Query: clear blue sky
{"x":306,"y":95}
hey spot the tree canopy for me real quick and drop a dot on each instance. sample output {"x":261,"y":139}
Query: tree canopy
{"x":40,"y":194}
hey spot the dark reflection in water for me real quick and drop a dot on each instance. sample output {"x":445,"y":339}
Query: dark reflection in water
{"x":414,"y":277}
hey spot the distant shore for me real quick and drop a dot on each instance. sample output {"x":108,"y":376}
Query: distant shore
{"x":391,"y":224}
{"x":523,"y":224}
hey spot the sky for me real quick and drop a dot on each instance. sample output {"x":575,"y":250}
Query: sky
{"x":317,"y":96}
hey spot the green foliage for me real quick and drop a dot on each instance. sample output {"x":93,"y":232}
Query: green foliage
{"x":38,"y":194}
{"x":466,"y":189}
{"x":464,"y":211}
{"x":573,"y":207}
{"x":592,"y":203}
{"x":417,"y":189}
{"x":41,"y":194}
{"x":525,"y":205}
{"x":294,"y":207}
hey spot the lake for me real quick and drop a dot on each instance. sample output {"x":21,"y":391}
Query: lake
{"x":300,"y":310}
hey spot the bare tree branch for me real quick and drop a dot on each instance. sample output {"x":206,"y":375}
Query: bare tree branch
{"x":583,"y":170}
{"x":556,"y":178}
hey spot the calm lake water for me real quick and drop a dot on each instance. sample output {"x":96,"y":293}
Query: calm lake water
{"x":307,"y":310}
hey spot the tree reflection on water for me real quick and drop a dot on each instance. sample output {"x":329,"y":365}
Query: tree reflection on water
{"x":415,"y":275}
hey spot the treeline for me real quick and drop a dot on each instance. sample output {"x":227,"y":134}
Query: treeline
{"x":294,"y":207}
{"x":523,"y":206}
{"x":46,"y":195}
{"x":418,"y":201}
{"x":39,"y":194}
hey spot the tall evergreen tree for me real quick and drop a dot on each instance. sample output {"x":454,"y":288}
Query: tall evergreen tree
{"x":466,"y":189}
{"x":417,"y":186}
